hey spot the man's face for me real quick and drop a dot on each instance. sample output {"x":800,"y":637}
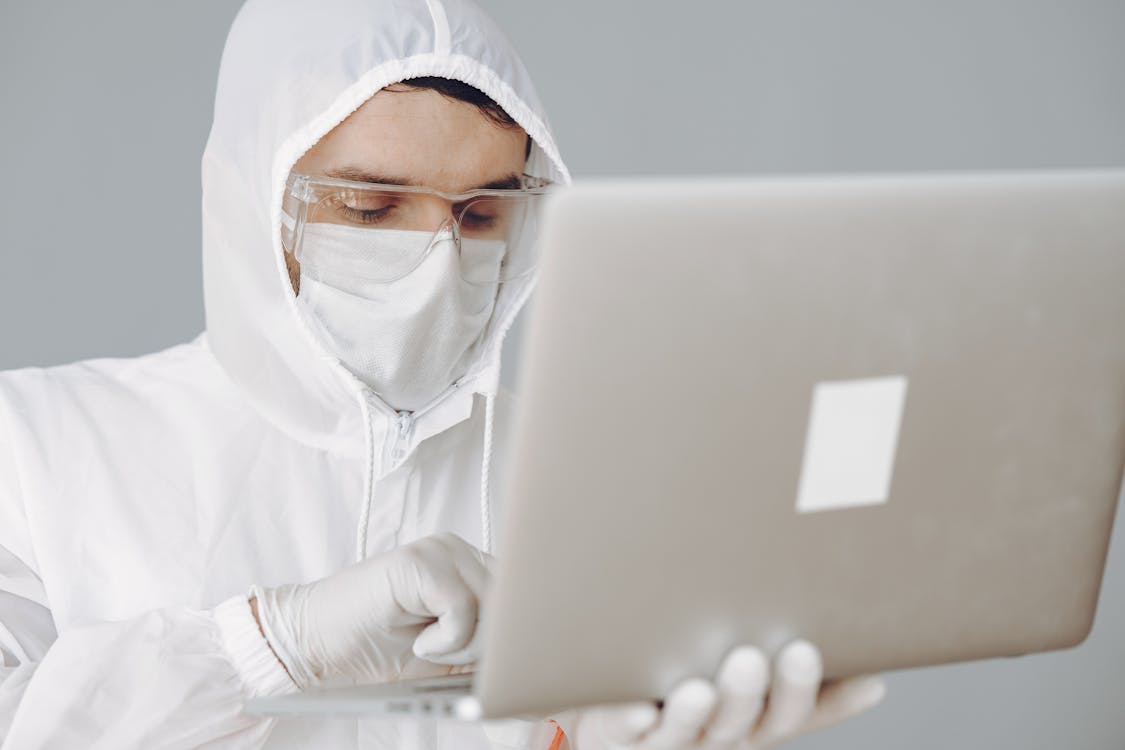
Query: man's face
{"x":416,"y":137}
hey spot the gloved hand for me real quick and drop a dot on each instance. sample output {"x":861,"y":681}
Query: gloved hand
{"x":733,"y":712}
{"x":408,"y":613}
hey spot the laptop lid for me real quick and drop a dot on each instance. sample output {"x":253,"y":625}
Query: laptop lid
{"x":886,"y":414}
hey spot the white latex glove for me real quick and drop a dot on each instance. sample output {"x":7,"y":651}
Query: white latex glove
{"x":734,"y":712}
{"x":408,"y":613}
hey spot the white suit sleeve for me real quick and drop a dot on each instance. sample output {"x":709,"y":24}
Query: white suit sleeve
{"x":26,"y":627}
{"x":26,"y":631}
{"x":170,"y":678}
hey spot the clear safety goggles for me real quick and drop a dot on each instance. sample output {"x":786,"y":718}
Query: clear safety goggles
{"x":380,"y":233}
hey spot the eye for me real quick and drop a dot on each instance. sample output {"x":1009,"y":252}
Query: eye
{"x":366,"y":216}
{"x":357,"y":208}
{"x":479,"y":216}
{"x":478,"y":221}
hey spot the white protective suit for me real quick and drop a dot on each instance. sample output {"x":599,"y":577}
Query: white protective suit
{"x":141,"y":498}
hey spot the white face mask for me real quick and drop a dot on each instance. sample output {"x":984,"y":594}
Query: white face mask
{"x":408,"y":339}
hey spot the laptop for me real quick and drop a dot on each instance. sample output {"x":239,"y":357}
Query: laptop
{"x":883,"y":413}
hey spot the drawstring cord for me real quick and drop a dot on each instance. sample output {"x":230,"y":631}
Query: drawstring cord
{"x":368,"y":483}
{"x":485,"y":468}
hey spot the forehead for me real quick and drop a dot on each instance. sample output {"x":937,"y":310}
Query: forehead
{"x":423,"y":137}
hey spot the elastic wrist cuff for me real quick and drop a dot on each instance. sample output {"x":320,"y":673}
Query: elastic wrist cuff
{"x":256,"y":663}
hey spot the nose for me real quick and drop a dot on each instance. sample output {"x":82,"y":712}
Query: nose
{"x":440,"y":215}
{"x":438,"y":212}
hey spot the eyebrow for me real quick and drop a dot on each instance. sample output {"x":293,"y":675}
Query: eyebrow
{"x":357,"y":174}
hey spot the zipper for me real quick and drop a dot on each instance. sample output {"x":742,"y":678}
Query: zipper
{"x":402,"y":434}
{"x":395,"y":448}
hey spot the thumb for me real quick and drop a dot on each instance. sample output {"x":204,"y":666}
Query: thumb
{"x":432,"y":645}
{"x":845,"y":699}
{"x":452,"y":634}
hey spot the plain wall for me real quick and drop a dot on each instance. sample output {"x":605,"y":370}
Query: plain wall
{"x":106,"y":107}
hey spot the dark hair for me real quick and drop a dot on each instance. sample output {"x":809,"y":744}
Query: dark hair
{"x":463,"y":92}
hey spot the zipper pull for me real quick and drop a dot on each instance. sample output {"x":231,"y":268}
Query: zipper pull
{"x":405,"y":422}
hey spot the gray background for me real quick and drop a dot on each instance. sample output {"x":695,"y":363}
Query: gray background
{"x":107,"y":106}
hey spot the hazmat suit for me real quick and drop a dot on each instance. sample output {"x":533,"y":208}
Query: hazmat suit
{"x":140,"y":499}
{"x":143,"y":500}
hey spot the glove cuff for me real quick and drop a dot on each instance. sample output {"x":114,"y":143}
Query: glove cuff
{"x":253,"y":660}
{"x":280,"y":612}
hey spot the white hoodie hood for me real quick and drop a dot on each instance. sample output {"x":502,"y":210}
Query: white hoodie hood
{"x":291,"y":71}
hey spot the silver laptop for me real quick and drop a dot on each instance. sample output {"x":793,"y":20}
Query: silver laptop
{"x":886,"y":414}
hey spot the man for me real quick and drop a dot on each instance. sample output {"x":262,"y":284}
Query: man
{"x":286,"y":501}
